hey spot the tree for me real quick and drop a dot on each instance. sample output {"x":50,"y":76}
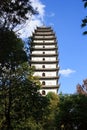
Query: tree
{"x":84,"y":21}
{"x":52,"y":108}
{"x":71,"y":112}
{"x":11,"y":56}
{"x":14,"y":12}
{"x":20,"y":100}
{"x":11,"y":49}
{"x":82,"y":89}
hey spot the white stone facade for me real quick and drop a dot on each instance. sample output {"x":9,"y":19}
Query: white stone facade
{"x":48,"y":74}
{"x":46,"y":52}
{"x":47,"y":66}
{"x":45,"y":58}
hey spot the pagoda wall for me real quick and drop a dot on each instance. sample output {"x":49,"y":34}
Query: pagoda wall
{"x":41,"y":46}
{"x":41,"y":58}
{"x":50,"y":82}
{"x":46,"y":74}
{"x":45,"y":41}
{"x":46,"y":52}
{"x":46,"y":66}
{"x":49,"y":90}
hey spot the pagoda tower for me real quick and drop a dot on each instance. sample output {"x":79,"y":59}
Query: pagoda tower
{"x":44,"y":56}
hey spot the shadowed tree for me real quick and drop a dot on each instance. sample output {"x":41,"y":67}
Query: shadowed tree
{"x":72,"y":113}
{"x":20,"y":99}
{"x":12,"y":56}
{"x":84,"y":21}
{"x":14,"y":12}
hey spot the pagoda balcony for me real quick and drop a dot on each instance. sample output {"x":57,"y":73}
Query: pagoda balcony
{"x":44,"y":55}
{"x":43,"y":62}
{"x":48,"y":78}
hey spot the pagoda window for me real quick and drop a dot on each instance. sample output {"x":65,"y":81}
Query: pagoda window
{"x":43,"y":46}
{"x":43,"y":74}
{"x":43,"y":59}
{"x":43,"y":83}
{"x":43,"y":92}
{"x":43,"y":52}
{"x":43,"y":66}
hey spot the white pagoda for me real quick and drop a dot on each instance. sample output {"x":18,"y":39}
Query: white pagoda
{"x":44,"y":56}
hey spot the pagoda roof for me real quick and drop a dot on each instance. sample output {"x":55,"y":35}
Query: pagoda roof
{"x":44,"y":34}
{"x":43,"y":62}
{"x":48,"y":78}
{"x":49,"y":87}
{"x":43,"y":43}
{"x":43,"y":49}
{"x":46,"y":69}
{"x":44,"y":38}
{"x":44,"y":55}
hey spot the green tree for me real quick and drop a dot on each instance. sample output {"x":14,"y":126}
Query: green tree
{"x":11,"y":56}
{"x":14,"y":12}
{"x":21,"y":103}
{"x":19,"y":100}
{"x":72,"y":113}
{"x":52,"y":108}
{"x":11,"y":50}
{"x":84,"y":21}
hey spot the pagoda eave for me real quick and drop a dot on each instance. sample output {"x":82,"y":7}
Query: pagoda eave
{"x":48,"y":78}
{"x":46,"y":69}
{"x":45,"y":38}
{"x":44,"y":43}
{"x":43,"y":49}
{"x":43,"y":62}
{"x":50,"y":87}
{"x":43,"y":55}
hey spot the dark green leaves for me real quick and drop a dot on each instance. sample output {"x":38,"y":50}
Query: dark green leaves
{"x":14,"y":12}
{"x":84,"y":21}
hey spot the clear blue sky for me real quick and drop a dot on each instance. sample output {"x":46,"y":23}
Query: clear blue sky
{"x":65,"y":18}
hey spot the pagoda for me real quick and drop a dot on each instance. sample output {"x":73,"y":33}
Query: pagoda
{"x":44,"y":56}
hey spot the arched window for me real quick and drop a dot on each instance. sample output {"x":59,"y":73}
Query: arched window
{"x":43,"y":58}
{"x":43,"y":83}
{"x":43,"y":92}
{"x":43,"y":52}
{"x":43,"y":74}
{"x":43,"y":46}
{"x":43,"y":66}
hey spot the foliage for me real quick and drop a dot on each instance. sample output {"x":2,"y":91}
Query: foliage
{"x":72,"y":113}
{"x":14,"y":12}
{"x":82,"y":89}
{"x":84,"y":21}
{"x":52,"y":109}
{"x":11,"y":49}
{"x":21,"y":102}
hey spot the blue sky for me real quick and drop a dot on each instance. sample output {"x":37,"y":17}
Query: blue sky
{"x":65,"y":18}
